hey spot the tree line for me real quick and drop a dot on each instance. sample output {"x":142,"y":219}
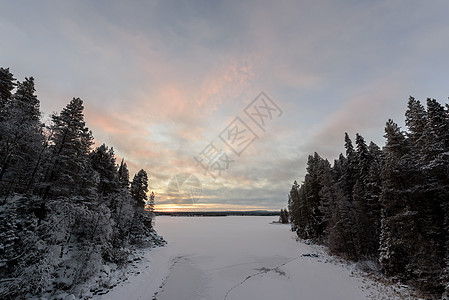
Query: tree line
{"x":65,"y":208}
{"x":389,"y":204}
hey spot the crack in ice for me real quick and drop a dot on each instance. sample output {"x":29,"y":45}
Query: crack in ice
{"x":262,"y":270}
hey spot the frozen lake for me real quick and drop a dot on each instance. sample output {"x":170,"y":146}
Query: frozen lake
{"x":241,"y":258}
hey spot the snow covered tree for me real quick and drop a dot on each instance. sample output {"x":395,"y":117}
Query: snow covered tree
{"x":410,"y":232}
{"x":391,"y":203}
{"x":350,"y":168}
{"x":123,"y":174}
{"x":437,"y":131}
{"x":139,"y":188}
{"x":308,"y":219}
{"x":366,"y":205}
{"x":69,"y":171}
{"x":340,"y":230}
{"x":330,"y":195}
{"x":294,"y":206}
{"x":416,"y":121}
{"x":7,"y":84}
{"x":21,"y":141}
{"x":373,"y":191}
{"x":149,"y":206}
{"x":142,"y":221}
{"x":283,"y":216}
{"x":103,"y":162}
{"x":65,"y":210}
{"x":432,"y":203}
{"x":396,"y":227}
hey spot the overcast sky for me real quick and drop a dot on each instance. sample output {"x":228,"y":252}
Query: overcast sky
{"x":163,"y":81}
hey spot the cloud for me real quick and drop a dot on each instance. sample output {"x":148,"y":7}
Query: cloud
{"x":365,"y":113}
{"x":161,"y":79}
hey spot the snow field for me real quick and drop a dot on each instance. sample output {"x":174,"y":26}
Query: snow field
{"x":243,"y":258}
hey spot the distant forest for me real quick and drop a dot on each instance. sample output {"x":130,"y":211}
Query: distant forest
{"x":216,"y":213}
{"x":389,"y":204}
{"x":65,"y":209}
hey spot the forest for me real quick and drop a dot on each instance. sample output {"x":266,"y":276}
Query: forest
{"x":66,"y":207}
{"x":389,"y":205}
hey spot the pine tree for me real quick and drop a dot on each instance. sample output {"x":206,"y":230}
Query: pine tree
{"x":294,"y":206}
{"x":434,"y":195}
{"x":373,"y":190}
{"x":123,"y":174}
{"x":139,"y":188}
{"x":327,"y":194}
{"x":7,"y":84}
{"x":283,"y":216}
{"x":350,"y":168}
{"x":367,"y":210}
{"x":399,"y":232}
{"x":103,"y":162}
{"x":329,"y":202}
{"x":69,"y":171}
{"x":347,"y":180}
{"x":343,"y":237}
{"x":391,"y":203}
{"x":314,"y":226}
{"x":142,"y":221}
{"x":443,"y":196}
{"x":416,"y":121}
{"x":437,"y":131}
{"x":149,"y":206}
{"x":89,"y":215}
{"x":21,"y":141}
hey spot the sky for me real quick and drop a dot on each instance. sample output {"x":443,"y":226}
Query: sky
{"x":181,"y":88}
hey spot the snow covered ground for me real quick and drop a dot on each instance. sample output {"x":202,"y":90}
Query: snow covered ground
{"x":243,"y":258}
